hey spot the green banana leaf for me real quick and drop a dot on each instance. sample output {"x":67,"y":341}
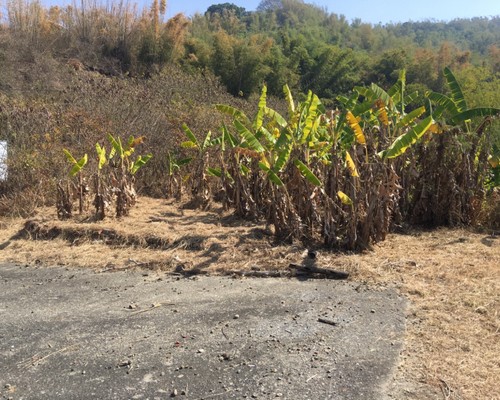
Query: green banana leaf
{"x":289,"y":100}
{"x":307,"y":173}
{"x":383,"y":95}
{"x":275,"y":116}
{"x":192,"y":138}
{"x":444,"y":103}
{"x":139,"y":162}
{"x":101,"y":155}
{"x":248,"y":136}
{"x":233,"y":112}
{"x":207,"y":143}
{"x":79,"y":165}
{"x":409,"y":118}
{"x":403,"y":142}
{"x":189,"y":145}
{"x":214,"y":172}
{"x":475,"y":112}
{"x":456,"y":91}
{"x":284,"y":148}
{"x":69,"y":156}
{"x":259,"y":118}
{"x":361,"y":108}
{"x":412,"y":97}
{"x":270,"y":139}
{"x":349,"y":102}
{"x":310,"y":117}
{"x":184,"y":161}
{"x":271,"y":174}
{"x":397,"y":92}
{"x":117,"y":146}
{"x":227,"y":138}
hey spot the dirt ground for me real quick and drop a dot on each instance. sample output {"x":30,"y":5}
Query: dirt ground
{"x":451,"y":277}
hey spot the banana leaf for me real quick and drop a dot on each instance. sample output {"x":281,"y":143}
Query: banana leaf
{"x":248,"y":136}
{"x":351,"y":165}
{"x":271,"y":174}
{"x":227,"y":138}
{"x":284,"y":148}
{"x":206,"y":142}
{"x":361,"y":108}
{"x":69,"y":156}
{"x":137,"y":164}
{"x":234,"y":112}
{"x":307,"y":173}
{"x":403,"y":142}
{"x":214,"y":172}
{"x":259,"y":118}
{"x":409,"y":118}
{"x":271,"y":140}
{"x":475,"y":112}
{"x":354,"y":124}
{"x":78,"y":166}
{"x":444,"y":103}
{"x":101,"y":155}
{"x":310,"y":117}
{"x":117,"y":146}
{"x":382,"y":95}
{"x":345,"y":199}
{"x":456,"y":91}
{"x":289,"y":100}
{"x":189,"y":145}
{"x":192,"y":138}
{"x":275,"y":116}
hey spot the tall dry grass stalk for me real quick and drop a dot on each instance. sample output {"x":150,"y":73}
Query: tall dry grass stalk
{"x":112,"y":28}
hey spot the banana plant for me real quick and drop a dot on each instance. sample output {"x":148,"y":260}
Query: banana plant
{"x":127,"y":168}
{"x":125,"y":153}
{"x":272,"y":139}
{"x":200,"y":187}
{"x":384,"y":112}
{"x":99,"y":201}
{"x":174,"y":165}
{"x":76,"y":170}
{"x":453,"y":109}
{"x":493,"y":180}
{"x":455,"y":105}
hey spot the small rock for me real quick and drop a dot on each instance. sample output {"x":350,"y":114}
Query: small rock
{"x":201,"y":350}
{"x":312,"y":254}
{"x":236,"y":316}
{"x":174,"y":393}
{"x":372,"y":311}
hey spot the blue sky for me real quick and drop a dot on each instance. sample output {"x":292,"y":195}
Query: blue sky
{"x":372,"y":11}
{"x":369,"y":10}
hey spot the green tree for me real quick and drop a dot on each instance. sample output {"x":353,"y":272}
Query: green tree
{"x":226,"y":8}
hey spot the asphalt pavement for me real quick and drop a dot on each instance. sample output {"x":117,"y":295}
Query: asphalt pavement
{"x":81,"y":334}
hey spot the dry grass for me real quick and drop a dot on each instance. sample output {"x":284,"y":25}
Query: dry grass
{"x":450,"y":276}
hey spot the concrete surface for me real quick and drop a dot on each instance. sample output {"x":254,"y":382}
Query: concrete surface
{"x":78,"y":334}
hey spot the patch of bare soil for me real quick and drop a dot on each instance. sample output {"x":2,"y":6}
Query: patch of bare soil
{"x":452,"y":277}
